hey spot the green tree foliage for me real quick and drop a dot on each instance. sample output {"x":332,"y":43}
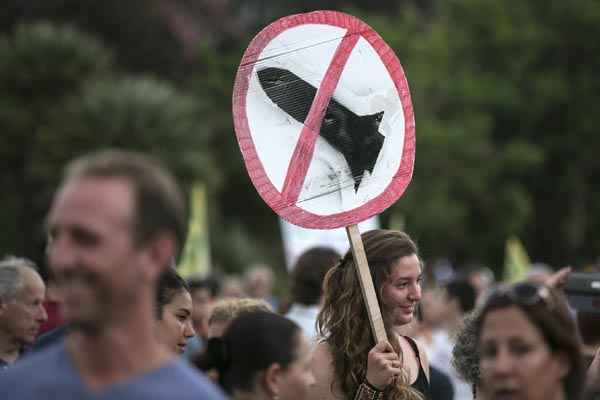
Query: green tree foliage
{"x":503,"y":96}
{"x":40,"y":66}
{"x":62,"y":98}
{"x":243,"y":228}
{"x":138,"y":32}
{"x":466,"y":195}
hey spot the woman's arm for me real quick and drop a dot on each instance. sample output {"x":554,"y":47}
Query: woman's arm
{"x":383,"y":364}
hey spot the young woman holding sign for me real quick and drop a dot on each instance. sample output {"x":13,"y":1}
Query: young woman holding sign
{"x":347,"y":363}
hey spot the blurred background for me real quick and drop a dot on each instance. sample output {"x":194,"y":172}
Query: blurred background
{"x":504,"y":94}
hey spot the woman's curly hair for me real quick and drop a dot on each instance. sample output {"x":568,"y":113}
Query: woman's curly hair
{"x":465,"y":354}
{"x":343,"y":321}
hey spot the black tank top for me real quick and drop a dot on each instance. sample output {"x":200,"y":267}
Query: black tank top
{"x":421,"y":384}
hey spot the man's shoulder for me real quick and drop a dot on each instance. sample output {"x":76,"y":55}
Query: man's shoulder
{"x":178,"y":377}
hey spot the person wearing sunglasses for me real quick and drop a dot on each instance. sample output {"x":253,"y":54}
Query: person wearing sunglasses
{"x":528,"y":346}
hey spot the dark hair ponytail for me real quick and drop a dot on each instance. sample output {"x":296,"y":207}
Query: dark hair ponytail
{"x":252,"y":343}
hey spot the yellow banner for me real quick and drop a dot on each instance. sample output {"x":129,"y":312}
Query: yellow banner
{"x":516,"y":261}
{"x":195,"y":261}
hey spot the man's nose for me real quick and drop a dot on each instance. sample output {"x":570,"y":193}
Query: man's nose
{"x":42,"y":315}
{"x":60,"y":254}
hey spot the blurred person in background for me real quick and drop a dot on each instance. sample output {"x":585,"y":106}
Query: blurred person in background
{"x":307,"y":287}
{"x":21,"y":307}
{"x":459,"y":298}
{"x":221,"y":316}
{"x":528,"y":345}
{"x":347,"y":362}
{"x":430,"y":317}
{"x":116,"y":224}
{"x":233,"y":286}
{"x":226,"y":310}
{"x":261,"y":356}
{"x":204,"y":293}
{"x":481,"y":278}
{"x":258,"y":283}
{"x":173,"y":311}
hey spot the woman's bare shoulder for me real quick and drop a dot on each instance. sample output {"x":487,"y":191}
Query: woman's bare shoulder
{"x":323,"y":370}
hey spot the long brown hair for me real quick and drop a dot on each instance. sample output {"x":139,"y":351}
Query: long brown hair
{"x":343,"y":321}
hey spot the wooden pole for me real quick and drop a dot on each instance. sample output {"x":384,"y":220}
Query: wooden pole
{"x":366,"y":283}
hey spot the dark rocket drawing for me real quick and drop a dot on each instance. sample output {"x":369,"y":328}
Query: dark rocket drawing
{"x":356,"y":137}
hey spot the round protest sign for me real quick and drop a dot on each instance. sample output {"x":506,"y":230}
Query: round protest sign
{"x":324,"y":120}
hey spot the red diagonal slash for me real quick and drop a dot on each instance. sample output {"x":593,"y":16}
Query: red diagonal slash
{"x":305,"y":147}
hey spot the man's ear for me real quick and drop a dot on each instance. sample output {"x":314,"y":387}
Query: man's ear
{"x":271,"y":380}
{"x":160,"y":253}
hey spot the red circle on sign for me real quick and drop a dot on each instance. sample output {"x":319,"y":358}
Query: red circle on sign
{"x":284,"y":202}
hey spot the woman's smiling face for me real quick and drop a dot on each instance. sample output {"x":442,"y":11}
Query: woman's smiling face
{"x":402,"y":291}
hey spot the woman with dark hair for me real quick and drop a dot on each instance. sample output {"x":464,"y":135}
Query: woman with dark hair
{"x":173,"y":311}
{"x":347,"y":363}
{"x":528,"y":346}
{"x":261,"y":355}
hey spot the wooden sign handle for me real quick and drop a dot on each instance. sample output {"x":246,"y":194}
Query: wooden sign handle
{"x":366,"y":283}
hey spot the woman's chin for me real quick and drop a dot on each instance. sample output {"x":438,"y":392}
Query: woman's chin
{"x":402,"y":320}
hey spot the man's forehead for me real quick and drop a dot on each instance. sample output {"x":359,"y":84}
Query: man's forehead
{"x":32,"y":282}
{"x":92,"y":196}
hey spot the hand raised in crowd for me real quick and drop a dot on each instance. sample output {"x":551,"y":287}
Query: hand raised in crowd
{"x":383,"y":364}
{"x":558,"y":279}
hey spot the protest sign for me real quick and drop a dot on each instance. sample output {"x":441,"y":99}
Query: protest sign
{"x":324,"y":121}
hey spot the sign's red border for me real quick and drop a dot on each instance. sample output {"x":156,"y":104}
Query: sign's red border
{"x":291,"y":212}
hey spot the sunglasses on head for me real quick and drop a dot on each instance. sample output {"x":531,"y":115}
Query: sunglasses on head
{"x":528,"y":294}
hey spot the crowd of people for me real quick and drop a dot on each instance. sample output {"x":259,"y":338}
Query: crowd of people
{"x":114,"y":320}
